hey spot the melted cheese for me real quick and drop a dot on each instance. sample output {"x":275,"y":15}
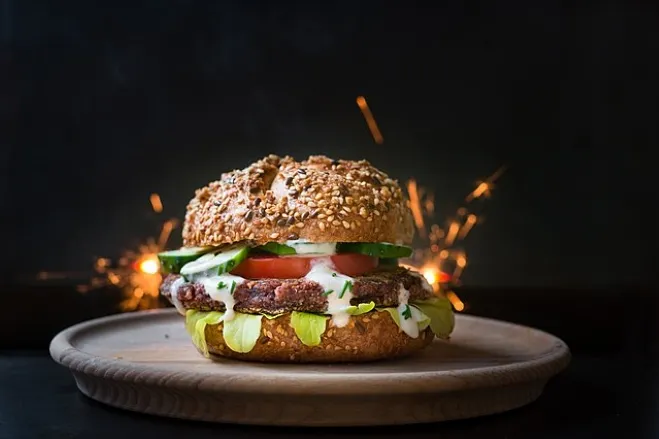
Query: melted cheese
{"x":173,"y":294}
{"x":323,"y":272}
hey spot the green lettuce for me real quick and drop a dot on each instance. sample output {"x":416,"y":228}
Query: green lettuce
{"x":442,"y":319}
{"x":271,"y":316}
{"x":242,"y":332}
{"x":360,"y":309}
{"x":308,"y":327}
{"x":436,"y":313}
{"x":195,"y":323}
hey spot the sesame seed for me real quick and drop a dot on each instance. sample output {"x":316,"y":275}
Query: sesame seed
{"x":290,"y":220}
{"x":318,"y":196}
{"x":314,"y":213}
{"x":346,"y":224}
{"x":217,"y":203}
{"x":375,"y":316}
{"x":321,"y":225}
{"x":288,"y":181}
{"x":293,"y":236}
{"x":299,"y":225}
{"x":281,"y":222}
{"x":274,"y":235}
{"x":337,"y":348}
{"x":249,"y":215}
{"x":352,"y":225}
{"x":282,"y":344}
{"x":336,"y":223}
{"x":330,"y":218}
{"x":322,"y":215}
{"x":257,"y":201}
{"x":301,"y":171}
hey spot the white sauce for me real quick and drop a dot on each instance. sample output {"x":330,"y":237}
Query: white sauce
{"x":408,"y":325}
{"x":173,"y":294}
{"x":303,"y":247}
{"x":322,"y":272}
{"x":222,"y":294}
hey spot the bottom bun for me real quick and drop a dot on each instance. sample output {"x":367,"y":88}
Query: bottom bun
{"x":367,"y":337}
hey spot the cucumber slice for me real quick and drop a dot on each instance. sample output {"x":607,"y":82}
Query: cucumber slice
{"x":278,"y":249}
{"x":220,"y":261}
{"x":173,"y":260}
{"x":379,"y":249}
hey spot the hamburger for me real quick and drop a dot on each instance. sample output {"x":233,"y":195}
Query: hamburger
{"x":297,"y":261}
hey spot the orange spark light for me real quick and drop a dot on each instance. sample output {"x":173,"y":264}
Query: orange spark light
{"x":471,"y":220}
{"x":156,"y":203}
{"x":370,"y":120}
{"x":149,"y":265}
{"x":455,"y":301}
{"x":415,"y":206}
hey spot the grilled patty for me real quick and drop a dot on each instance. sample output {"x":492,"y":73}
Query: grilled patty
{"x":275,"y":296}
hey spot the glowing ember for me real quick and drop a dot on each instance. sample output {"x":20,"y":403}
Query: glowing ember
{"x":150,"y":265}
{"x":156,"y":203}
{"x":370,"y":120}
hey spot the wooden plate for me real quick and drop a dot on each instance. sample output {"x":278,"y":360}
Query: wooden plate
{"x":146,"y":362}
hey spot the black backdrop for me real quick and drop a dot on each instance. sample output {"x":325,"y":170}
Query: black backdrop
{"x":106,"y":102}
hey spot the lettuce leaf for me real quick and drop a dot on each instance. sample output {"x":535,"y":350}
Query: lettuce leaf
{"x":242,"y":332}
{"x":436,"y":313}
{"x":422,"y":320}
{"x":393,"y":312}
{"x":360,"y":309}
{"x":195,"y":323}
{"x":442,"y":319}
{"x":308,"y":327}
{"x":271,"y":316}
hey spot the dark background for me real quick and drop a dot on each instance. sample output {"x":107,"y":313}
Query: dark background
{"x":106,"y":102}
{"x":103,"y":103}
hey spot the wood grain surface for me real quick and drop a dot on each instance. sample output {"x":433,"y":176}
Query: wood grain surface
{"x":145,"y":362}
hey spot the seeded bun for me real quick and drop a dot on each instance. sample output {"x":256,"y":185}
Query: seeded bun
{"x":318,"y":199}
{"x":367,"y":337}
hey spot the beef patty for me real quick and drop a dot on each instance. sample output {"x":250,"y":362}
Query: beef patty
{"x":275,"y":296}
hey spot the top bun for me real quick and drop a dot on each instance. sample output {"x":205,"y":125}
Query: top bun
{"x":319,"y":200}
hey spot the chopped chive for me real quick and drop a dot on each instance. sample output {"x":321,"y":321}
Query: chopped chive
{"x":333,"y":274}
{"x":233,"y":286}
{"x":328,"y":292}
{"x":407,"y":313}
{"x":346,"y":286}
{"x":221,"y":285}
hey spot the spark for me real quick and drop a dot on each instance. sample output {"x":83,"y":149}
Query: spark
{"x":452,"y":233}
{"x":455,"y":301}
{"x":150,"y":265}
{"x":415,"y":206}
{"x":136,"y":272}
{"x":471,"y":220}
{"x":370,"y":120}
{"x":156,"y":203}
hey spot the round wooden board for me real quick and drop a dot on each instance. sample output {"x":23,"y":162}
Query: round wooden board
{"x":145,"y":362}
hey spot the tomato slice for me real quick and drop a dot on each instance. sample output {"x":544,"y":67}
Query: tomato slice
{"x":293,"y":267}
